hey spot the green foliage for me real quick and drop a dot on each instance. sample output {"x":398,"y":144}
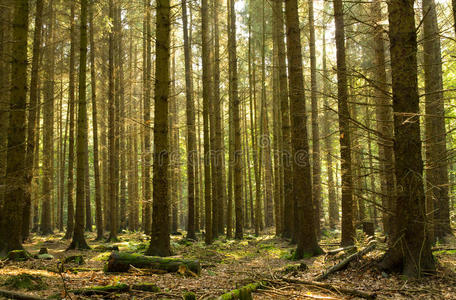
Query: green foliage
{"x":25,"y":282}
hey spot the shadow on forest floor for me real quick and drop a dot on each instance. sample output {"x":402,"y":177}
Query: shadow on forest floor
{"x":226,"y":265}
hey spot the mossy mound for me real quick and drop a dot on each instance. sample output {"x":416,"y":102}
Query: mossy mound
{"x":76,"y":259}
{"x":25,"y":282}
{"x":18,"y":255}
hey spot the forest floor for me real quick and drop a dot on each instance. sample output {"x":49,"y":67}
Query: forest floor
{"x":226,"y":265}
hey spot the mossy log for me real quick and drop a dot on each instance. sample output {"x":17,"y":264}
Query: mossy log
{"x":102,"y":290}
{"x":18,"y":296}
{"x":335,"y":251}
{"x":146,"y":287}
{"x":121,"y":262}
{"x":104,"y":248}
{"x":243,"y":293}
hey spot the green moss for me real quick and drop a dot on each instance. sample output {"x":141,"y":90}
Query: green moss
{"x":445,"y":252}
{"x":267,"y":246}
{"x":189,"y":296}
{"x":243,"y":293}
{"x":148,"y":287}
{"x":94,"y":290}
{"x":77,"y":259}
{"x":102,"y":256}
{"x":25,"y":282}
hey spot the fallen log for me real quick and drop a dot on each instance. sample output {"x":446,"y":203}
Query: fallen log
{"x":146,"y":287}
{"x":344,"y":263}
{"x":102,"y":290}
{"x":243,"y":293}
{"x":335,"y":251}
{"x":18,"y":296}
{"x":121,"y":262}
{"x":347,"y":291}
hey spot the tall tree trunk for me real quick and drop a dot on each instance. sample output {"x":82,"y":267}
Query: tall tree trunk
{"x":316,"y":164}
{"x":87,"y":206}
{"x":410,"y":229}
{"x":79,"y":241}
{"x":333,"y":207}
{"x":96,"y":163}
{"x":121,"y":165}
{"x":207,"y":98}
{"x":278,"y":166}
{"x":302,"y":185}
{"x":71,"y":102}
{"x":191,"y":138}
{"x":265,"y":140}
{"x":48,"y":127}
{"x":287,"y":222}
{"x":384,"y":116}
{"x":348,"y":230}
{"x":173,"y":133}
{"x":5,"y":65}
{"x":146,"y":142}
{"x":253,"y":130}
{"x":36,"y":169}
{"x":160,"y":243}
{"x":436,"y":152}
{"x":219,"y":153}
{"x":236,"y":123}
{"x":31,"y":119}
{"x":11,"y":223}
{"x":111,"y":135}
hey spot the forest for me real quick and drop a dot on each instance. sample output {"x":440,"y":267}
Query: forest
{"x":238,"y":149}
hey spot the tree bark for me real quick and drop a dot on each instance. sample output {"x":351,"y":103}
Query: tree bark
{"x":435,"y":133}
{"x":96,"y":163}
{"x":384,"y":116}
{"x":71,"y":101}
{"x":333,"y":207}
{"x":13,"y":205}
{"x":31,"y":119}
{"x":302,"y":185}
{"x":207,"y":98}
{"x":265,"y":139}
{"x":287,"y":222}
{"x":191,"y":134}
{"x":79,"y":241}
{"x":410,"y":229}
{"x":48,"y":127}
{"x":316,"y":164}
{"x":160,"y":243}
{"x":237,"y":180}
{"x":348,"y":230}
